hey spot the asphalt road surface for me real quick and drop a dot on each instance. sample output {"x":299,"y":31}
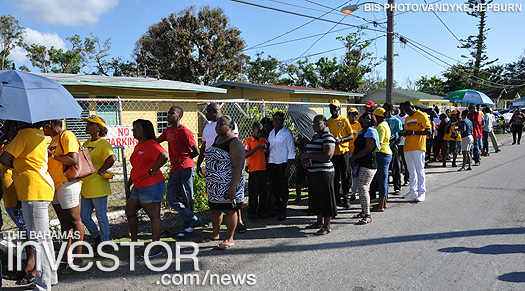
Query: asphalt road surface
{"x":469,"y":234}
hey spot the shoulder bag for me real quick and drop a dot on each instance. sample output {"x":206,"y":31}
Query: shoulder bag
{"x":83,"y":168}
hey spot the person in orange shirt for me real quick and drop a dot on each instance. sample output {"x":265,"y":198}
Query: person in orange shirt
{"x":255,"y":147}
{"x":416,"y":129}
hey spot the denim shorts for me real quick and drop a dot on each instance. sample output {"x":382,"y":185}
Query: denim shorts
{"x":150,"y":194}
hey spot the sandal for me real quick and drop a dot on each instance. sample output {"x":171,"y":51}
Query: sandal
{"x":314,"y":226}
{"x":359,"y":215}
{"x":366,"y":220}
{"x":27,"y":279}
{"x":323,"y":231}
{"x":241,"y":228}
{"x":461,"y":169}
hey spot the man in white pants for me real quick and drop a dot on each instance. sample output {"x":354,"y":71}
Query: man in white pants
{"x":416,"y":129}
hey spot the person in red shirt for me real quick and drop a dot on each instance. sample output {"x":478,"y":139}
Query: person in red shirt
{"x":477,"y":132}
{"x":182,"y":148}
{"x":255,"y":148}
{"x":146,"y":160}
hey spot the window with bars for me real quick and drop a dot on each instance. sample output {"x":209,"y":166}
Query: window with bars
{"x":162,"y":121}
{"x":78,"y":126}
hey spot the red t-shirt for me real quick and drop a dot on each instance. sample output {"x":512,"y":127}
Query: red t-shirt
{"x":142,"y":160}
{"x":477,"y":124}
{"x":180,"y":141}
{"x":257,"y":161}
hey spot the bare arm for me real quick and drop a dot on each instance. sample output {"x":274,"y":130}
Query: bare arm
{"x":67,"y":159}
{"x":107,"y":164}
{"x":201,"y":158}
{"x":6,"y":159}
{"x":194,"y":151}
{"x":261,"y":146}
{"x":325,"y":156}
{"x":161,"y":160}
{"x":237,"y":157}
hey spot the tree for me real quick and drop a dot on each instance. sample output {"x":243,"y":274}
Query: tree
{"x":82,"y":54}
{"x":344,"y":75}
{"x":11,"y":35}
{"x":263,"y":70}
{"x":197,"y":47}
{"x":432,"y":85}
{"x":476,"y":43}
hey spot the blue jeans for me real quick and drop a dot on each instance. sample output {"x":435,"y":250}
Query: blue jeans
{"x":180,"y":196}
{"x":383,"y":164}
{"x":100,"y":204}
{"x":476,"y":150}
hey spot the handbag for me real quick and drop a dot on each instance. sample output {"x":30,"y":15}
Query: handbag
{"x":83,"y":168}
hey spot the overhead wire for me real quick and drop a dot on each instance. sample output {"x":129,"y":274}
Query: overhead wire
{"x":321,"y":37}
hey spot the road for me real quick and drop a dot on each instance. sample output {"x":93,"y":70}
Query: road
{"x":469,"y":234}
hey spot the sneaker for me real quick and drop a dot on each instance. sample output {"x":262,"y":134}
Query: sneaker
{"x":153,"y":254}
{"x":352,"y":197}
{"x":410,"y":195}
{"x":397,"y":192}
{"x":420,"y":198}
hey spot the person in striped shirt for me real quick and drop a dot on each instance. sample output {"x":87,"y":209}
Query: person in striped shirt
{"x":321,"y":170}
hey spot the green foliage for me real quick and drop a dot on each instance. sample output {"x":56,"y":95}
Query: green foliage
{"x":343,"y":75}
{"x":192,"y":46}
{"x":431,"y":85}
{"x":254,"y":114}
{"x":200,"y":196}
{"x":263,"y":70}
{"x":11,"y":35}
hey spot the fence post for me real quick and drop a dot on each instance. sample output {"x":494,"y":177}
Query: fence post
{"x":122,"y":149}
{"x":263,"y":109}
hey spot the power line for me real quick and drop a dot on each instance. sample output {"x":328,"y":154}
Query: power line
{"x":321,"y":37}
{"x":445,"y":25}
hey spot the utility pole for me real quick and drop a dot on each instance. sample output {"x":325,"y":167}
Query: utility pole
{"x":390,"y":53}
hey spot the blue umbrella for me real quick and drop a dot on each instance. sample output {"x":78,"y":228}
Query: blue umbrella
{"x":31,"y":98}
{"x":469,"y":96}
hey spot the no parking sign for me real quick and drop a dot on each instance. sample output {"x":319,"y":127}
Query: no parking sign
{"x":121,"y":135}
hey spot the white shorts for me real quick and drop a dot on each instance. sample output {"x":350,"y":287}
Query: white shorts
{"x":466,"y":143}
{"x":67,"y":195}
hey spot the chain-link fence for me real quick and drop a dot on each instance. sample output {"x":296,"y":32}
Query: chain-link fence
{"x":119,"y":115}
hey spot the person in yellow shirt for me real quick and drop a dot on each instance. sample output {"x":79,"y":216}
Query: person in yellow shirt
{"x":452,"y":136}
{"x":63,"y":152}
{"x":95,"y":188}
{"x":11,"y":205}
{"x":416,"y":130}
{"x":341,"y":130}
{"x":356,"y":128}
{"x":27,"y":156}
{"x":383,"y":157}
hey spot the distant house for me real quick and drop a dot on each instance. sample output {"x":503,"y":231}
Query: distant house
{"x":402,"y":95}
{"x":279,"y":93}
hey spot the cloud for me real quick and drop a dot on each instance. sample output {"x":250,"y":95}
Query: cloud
{"x":47,"y":39}
{"x":66,"y":12}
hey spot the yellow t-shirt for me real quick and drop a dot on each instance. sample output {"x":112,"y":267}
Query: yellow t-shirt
{"x":30,"y":176}
{"x":453,"y":129}
{"x":10,"y":199}
{"x":340,"y":128}
{"x":383,"y":129}
{"x":94,"y":185}
{"x":417,"y":122}
{"x":67,"y":143}
{"x":356,"y":128}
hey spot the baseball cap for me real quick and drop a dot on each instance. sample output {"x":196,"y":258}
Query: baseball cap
{"x":95,"y":119}
{"x":379,"y":111}
{"x":454,"y":111}
{"x":352,"y":110}
{"x":370,"y":104}
{"x":335,"y":102}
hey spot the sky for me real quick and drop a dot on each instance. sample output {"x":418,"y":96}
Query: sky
{"x":49,"y":22}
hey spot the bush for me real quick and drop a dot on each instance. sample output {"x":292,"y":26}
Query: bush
{"x":200,"y":197}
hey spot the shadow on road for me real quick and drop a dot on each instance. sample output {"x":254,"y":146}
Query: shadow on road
{"x":515,"y":277}
{"x":488,"y":250}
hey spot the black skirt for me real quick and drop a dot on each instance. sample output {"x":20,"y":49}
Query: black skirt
{"x":321,"y":194}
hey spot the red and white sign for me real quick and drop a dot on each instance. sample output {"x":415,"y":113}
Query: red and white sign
{"x":121,"y":135}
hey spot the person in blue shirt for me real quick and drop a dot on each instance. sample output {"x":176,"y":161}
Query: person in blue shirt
{"x":395,"y":127}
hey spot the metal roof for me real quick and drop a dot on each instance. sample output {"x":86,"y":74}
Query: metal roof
{"x":287,"y":89}
{"x":128,"y":82}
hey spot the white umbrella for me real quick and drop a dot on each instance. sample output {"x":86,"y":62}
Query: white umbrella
{"x":31,"y":98}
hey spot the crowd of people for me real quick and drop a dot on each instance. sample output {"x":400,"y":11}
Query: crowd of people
{"x":347,"y":157}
